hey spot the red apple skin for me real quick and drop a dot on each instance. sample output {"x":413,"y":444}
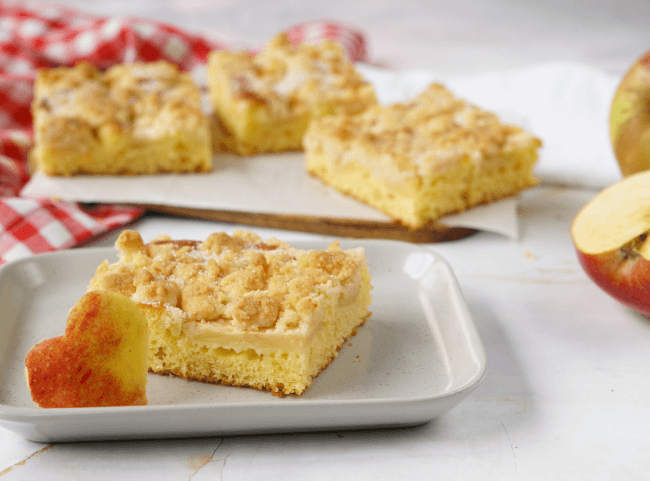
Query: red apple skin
{"x":64,"y":382}
{"x":625,"y":279}
{"x":69,"y":371}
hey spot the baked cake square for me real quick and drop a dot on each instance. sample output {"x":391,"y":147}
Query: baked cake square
{"x":263,"y":102}
{"x":239,"y":310}
{"x":140,"y":118}
{"x":420,"y":160}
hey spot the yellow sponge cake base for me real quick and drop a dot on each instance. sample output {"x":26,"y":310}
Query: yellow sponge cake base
{"x":280,"y":371}
{"x":414,"y":203}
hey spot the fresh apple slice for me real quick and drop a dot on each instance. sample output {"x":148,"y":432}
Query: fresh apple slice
{"x":630,"y":119}
{"x":611,"y":238}
{"x":101,"y":360}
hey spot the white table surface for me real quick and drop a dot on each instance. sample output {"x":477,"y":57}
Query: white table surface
{"x":566,"y":392}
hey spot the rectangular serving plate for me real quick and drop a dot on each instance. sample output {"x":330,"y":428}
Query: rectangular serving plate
{"x":417,"y":357}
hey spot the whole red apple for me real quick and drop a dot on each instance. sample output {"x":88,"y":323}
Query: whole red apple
{"x":611,"y":238}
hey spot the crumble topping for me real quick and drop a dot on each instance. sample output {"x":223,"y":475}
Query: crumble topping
{"x":149,"y":99}
{"x":238,"y":280}
{"x":417,"y":138}
{"x":293,"y":79}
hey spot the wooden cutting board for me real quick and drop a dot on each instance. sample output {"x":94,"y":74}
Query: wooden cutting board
{"x":324,"y":226}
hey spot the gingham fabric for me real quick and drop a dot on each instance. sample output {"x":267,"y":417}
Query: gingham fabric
{"x":35,"y":37}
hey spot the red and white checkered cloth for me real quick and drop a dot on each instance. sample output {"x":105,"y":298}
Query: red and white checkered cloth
{"x":58,"y":36}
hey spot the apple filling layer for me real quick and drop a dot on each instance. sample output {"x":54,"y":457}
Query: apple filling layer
{"x":239,"y":310}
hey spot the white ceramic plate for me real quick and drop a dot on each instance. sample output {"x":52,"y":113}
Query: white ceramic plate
{"x":417,"y":356}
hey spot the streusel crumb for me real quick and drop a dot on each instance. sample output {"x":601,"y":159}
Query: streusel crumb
{"x":234,"y":278}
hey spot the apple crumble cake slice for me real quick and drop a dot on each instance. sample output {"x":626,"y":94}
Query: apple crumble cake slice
{"x":420,"y":160}
{"x":140,"y":118}
{"x":264,"y":102}
{"x":238,"y":310}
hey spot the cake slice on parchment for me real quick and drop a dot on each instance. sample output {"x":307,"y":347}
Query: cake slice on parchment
{"x":418,"y":161}
{"x":239,"y":310}
{"x":264,"y":102}
{"x":140,"y":118}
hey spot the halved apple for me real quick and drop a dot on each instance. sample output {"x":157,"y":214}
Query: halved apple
{"x":101,"y":360}
{"x":630,"y":119}
{"x":611,"y":236}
